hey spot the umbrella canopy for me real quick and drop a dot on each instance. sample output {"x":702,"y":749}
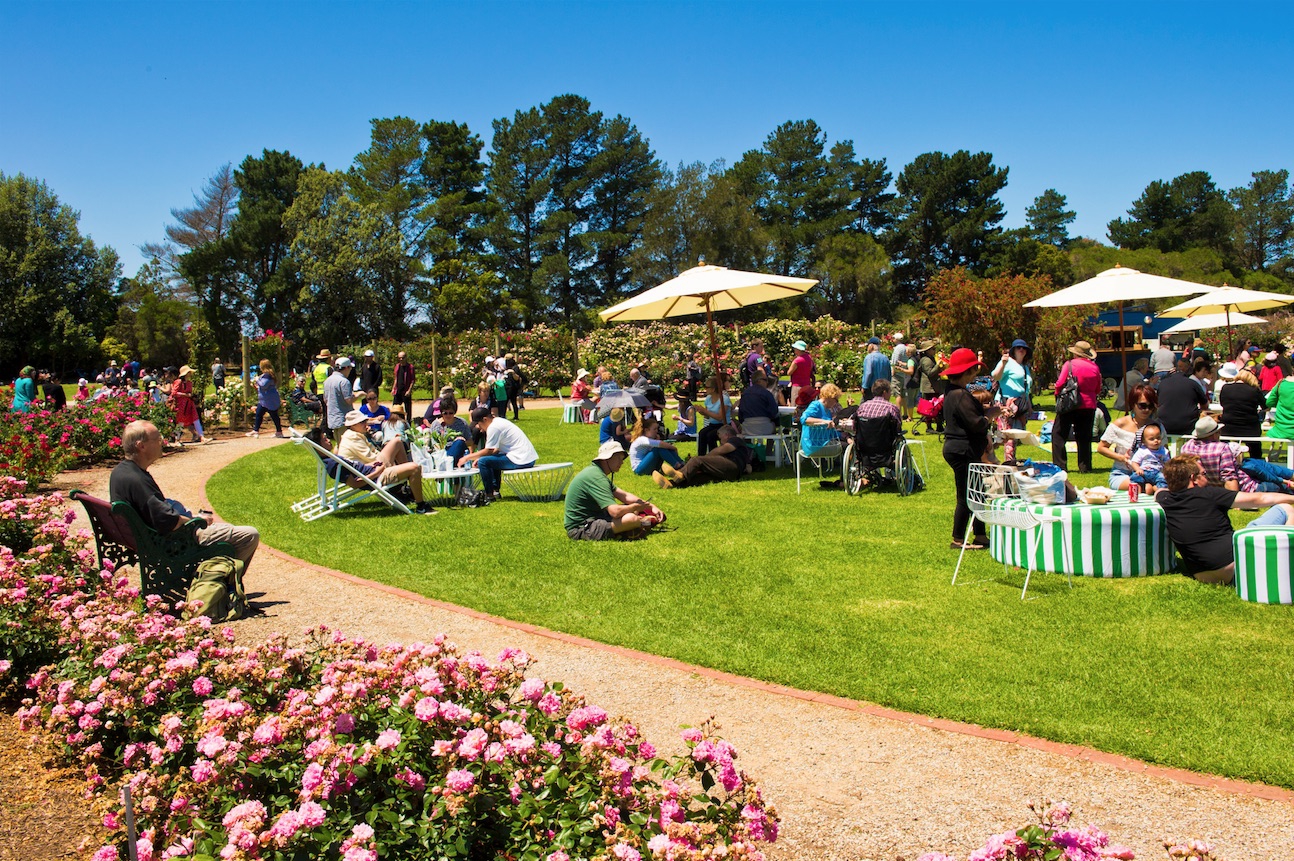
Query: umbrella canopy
{"x":704,"y":289}
{"x":1213,"y":321}
{"x":1119,"y":285}
{"x":624,"y":398}
{"x":1228,"y":299}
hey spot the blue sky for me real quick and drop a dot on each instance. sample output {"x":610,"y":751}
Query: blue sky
{"x":126,"y":108}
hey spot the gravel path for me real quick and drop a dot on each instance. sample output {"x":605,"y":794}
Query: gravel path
{"x":848,"y":785}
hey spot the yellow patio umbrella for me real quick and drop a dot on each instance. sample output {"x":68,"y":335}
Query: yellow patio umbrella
{"x":704,"y":289}
{"x":1228,"y":300}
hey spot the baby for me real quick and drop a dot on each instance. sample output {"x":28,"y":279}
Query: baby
{"x":1151,"y":457}
{"x":994,"y":435}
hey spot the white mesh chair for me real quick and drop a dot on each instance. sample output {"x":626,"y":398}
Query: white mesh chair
{"x":987,"y":486}
{"x":823,"y":457}
{"x":545,"y":482}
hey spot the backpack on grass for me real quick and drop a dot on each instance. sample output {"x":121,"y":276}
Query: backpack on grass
{"x":218,"y":588}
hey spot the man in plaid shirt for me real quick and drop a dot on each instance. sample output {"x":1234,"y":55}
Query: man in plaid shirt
{"x":1218,"y":459}
{"x":879,"y":404}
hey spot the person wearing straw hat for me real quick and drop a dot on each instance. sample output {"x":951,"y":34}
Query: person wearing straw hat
{"x":186,"y":411}
{"x":387,"y":465}
{"x":1078,"y":421}
{"x":929,"y":385}
{"x":966,"y":430}
{"x":582,"y":392}
{"x":318,"y":376}
{"x":597,"y":510}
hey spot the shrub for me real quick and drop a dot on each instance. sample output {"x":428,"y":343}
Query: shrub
{"x":337,"y":746}
{"x":36,"y":446}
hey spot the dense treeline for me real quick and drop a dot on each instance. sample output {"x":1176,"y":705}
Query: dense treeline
{"x":570,"y":210}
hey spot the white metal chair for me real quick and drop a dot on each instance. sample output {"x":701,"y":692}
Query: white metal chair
{"x":545,"y":482}
{"x":334,"y":491}
{"x":988,"y":484}
{"x":823,"y":456}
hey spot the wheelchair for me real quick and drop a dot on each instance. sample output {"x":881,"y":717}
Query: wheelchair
{"x":879,"y":454}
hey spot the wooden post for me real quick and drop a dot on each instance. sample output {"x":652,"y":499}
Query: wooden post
{"x":435,"y":380}
{"x":246,"y":382}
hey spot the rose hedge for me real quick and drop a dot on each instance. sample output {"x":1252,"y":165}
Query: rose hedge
{"x":35,"y":446}
{"x":333,"y":748}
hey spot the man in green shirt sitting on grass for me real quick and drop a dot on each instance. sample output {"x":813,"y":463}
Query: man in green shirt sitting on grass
{"x":597,"y":510}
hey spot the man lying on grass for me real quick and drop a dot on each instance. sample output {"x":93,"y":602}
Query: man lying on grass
{"x":1198,"y":522}
{"x":729,"y":462}
{"x":597,"y":510}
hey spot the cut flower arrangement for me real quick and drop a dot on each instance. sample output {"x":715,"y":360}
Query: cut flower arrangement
{"x":335,"y":747}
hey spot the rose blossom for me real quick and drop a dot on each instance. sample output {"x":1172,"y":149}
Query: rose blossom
{"x":460,"y":780}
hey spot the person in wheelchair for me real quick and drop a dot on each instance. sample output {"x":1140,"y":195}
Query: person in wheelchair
{"x":879,"y":451}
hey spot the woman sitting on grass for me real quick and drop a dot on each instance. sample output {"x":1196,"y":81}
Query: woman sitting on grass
{"x":646,"y":451}
{"x":685,"y":426}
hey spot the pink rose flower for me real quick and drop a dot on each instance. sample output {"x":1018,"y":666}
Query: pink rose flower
{"x":460,"y":780}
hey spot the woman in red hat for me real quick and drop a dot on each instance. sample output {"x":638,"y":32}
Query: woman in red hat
{"x":966,"y":432}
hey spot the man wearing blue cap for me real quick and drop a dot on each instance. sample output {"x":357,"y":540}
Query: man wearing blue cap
{"x":876,"y":366}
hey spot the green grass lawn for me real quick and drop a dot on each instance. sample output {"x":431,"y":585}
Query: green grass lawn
{"x":848,"y":596}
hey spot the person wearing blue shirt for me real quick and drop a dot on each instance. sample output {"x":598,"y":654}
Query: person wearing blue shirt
{"x":612,"y":428}
{"x":758,"y":407}
{"x":24,"y":390}
{"x":876,"y":366}
{"x":818,"y":434}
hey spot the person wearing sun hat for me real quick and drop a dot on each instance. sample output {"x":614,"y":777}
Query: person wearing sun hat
{"x":1077,"y":422}
{"x":338,"y":397}
{"x":966,"y":430}
{"x":929,"y":383}
{"x":1014,"y":377}
{"x":582,"y":392}
{"x":801,"y":370}
{"x":318,"y":376}
{"x":186,"y":411}
{"x":597,"y":510}
{"x":388,"y":465}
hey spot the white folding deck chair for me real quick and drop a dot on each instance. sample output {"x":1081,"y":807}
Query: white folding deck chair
{"x":335,"y":493}
{"x":988,"y":483}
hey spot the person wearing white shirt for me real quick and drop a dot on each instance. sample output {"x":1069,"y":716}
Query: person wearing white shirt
{"x":506,"y":447}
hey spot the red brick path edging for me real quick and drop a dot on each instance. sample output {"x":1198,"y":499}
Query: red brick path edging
{"x":1073,"y":751}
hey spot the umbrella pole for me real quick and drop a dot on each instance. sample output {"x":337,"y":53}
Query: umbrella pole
{"x":714,"y":356}
{"x":1123,"y":355}
{"x":1231,"y":351}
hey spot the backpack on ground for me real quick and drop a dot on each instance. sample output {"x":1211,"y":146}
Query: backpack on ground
{"x":218,"y":588}
{"x":470,"y":497}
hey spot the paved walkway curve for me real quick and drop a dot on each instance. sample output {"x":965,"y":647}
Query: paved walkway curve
{"x":850,"y":780}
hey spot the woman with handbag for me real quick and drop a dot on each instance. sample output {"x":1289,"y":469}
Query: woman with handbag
{"x":1014,"y":382}
{"x":1076,"y":396}
{"x":929,"y":387}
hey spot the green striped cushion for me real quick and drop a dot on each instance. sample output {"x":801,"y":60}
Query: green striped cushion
{"x":1264,"y":564}
{"x":1103,"y":540}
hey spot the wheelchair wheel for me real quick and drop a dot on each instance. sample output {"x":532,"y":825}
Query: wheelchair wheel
{"x":853,"y":471}
{"x":905,"y":470}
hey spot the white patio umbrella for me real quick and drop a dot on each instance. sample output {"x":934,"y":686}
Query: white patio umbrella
{"x":1213,"y":321}
{"x":1226,"y":301}
{"x":1117,"y":286}
{"x":704,"y":289}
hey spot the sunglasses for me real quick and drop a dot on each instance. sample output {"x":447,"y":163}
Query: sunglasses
{"x":1143,"y":406}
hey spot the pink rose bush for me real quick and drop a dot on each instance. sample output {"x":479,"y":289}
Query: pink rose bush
{"x":340,"y":748}
{"x":35,"y":446}
{"x":1052,"y":838}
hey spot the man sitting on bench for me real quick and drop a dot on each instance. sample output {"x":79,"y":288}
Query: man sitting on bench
{"x":505,"y":447}
{"x":131,"y":482}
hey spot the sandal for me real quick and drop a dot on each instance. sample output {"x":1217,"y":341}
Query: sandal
{"x":970,"y":545}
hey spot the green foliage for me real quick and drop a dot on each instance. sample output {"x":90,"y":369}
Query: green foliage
{"x":151,"y":320}
{"x":948,"y":212}
{"x":1264,"y":220}
{"x":51,"y":274}
{"x":1048,"y":218}
{"x":988,"y":313}
{"x":1187,"y":212}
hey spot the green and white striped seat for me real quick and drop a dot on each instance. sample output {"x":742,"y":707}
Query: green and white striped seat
{"x":1265,"y":564}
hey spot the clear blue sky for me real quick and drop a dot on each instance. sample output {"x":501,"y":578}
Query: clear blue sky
{"x":126,"y":108}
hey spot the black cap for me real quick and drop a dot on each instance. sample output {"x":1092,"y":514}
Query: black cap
{"x":480,"y":413}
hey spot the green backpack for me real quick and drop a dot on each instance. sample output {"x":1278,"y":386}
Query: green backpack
{"x":218,"y":588}
{"x":500,"y":390}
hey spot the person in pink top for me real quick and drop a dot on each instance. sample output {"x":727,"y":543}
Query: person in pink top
{"x":1270,"y":373}
{"x":1077,"y":422}
{"x":801,"y":369}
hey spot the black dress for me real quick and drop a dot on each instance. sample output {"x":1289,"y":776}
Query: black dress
{"x":1243,"y":406}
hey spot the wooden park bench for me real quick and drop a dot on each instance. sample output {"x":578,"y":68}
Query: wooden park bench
{"x":166,"y":562}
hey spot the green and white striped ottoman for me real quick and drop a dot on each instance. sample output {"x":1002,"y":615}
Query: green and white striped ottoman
{"x":1115,"y":540}
{"x":1265,"y":564}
